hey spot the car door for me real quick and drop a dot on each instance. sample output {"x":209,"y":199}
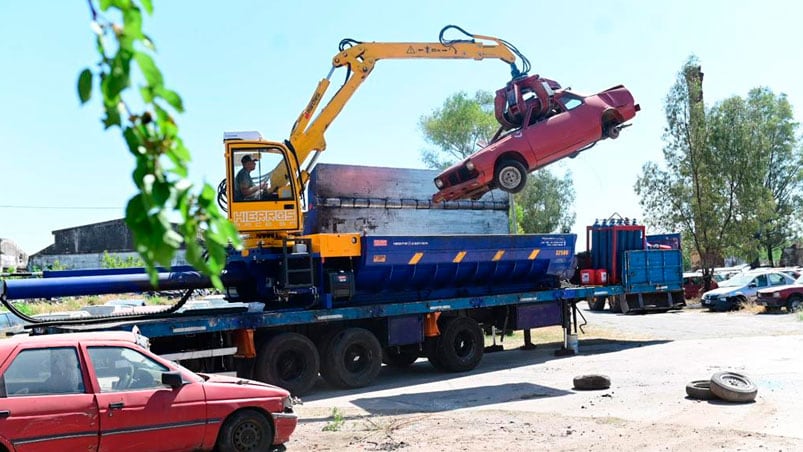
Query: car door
{"x":575,"y":126}
{"x":44,"y":404}
{"x":137,"y":412}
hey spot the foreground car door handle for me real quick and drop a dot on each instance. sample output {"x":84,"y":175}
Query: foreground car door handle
{"x":116,"y":405}
{"x":5,"y":413}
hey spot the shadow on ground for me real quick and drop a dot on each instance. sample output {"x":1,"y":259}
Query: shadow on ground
{"x":421,"y":372}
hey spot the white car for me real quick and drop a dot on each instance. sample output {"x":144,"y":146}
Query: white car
{"x":741,"y":288}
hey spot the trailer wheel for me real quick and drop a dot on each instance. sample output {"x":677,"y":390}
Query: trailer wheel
{"x":461,"y":345}
{"x":352,"y":359}
{"x":245,"y":430}
{"x":290,"y":361}
{"x":733,"y":387}
{"x":616,"y":305}
{"x":431,"y":352}
{"x":597,"y":303}
{"x":399,"y":358}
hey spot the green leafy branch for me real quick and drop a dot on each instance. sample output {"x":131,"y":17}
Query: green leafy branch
{"x":152,"y":137}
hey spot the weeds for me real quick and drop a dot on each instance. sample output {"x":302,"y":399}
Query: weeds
{"x":336,"y":423}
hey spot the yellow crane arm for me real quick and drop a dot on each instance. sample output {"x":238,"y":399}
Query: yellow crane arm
{"x":307,"y":135}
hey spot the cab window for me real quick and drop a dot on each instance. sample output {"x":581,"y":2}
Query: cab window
{"x":259,"y":174}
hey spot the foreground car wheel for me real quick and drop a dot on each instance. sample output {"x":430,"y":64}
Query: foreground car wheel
{"x":510,"y":176}
{"x":245,"y":430}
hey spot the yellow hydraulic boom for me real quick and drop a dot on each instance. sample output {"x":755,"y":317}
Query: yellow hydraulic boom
{"x":262,"y":217}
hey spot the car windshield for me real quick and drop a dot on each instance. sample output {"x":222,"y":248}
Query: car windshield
{"x":737,"y":281}
{"x":799,"y":280}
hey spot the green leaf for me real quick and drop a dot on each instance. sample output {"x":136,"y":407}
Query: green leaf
{"x":85,"y":85}
{"x":104,"y":4}
{"x":171,"y":97}
{"x":152,"y":73}
{"x":132,"y":23}
{"x":148,"y":5}
{"x":112,"y":118}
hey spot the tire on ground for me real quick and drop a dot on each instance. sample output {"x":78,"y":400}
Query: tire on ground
{"x":290,"y":361}
{"x":461,"y":344}
{"x":352,"y":358}
{"x":733,"y":387}
{"x":592,"y":382}
{"x":700,"y":390}
{"x":245,"y":430}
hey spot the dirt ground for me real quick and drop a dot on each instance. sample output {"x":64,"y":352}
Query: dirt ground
{"x":520,"y":400}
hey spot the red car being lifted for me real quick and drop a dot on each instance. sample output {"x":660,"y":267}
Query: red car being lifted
{"x":541,"y":123}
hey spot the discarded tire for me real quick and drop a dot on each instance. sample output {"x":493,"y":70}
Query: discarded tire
{"x":700,"y":389}
{"x":592,"y":382}
{"x":733,"y":387}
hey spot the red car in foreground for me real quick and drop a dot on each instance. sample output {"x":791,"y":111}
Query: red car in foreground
{"x":789,"y":296}
{"x":567,"y":125}
{"x":103,"y":391}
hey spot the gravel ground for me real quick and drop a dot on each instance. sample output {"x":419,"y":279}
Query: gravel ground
{"x":524,"y":400}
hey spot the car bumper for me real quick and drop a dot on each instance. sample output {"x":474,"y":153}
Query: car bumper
{"x":285,"y":424}
{"x":771,"y":302}
{"x":717,"y":304}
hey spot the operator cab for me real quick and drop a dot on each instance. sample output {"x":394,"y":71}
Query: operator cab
{"x":259,"y":188}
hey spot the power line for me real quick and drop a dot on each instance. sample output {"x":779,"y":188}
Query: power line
{"x":11,"y":206}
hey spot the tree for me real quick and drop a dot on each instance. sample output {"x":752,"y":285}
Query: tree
{"x":457,"y":127}
{"x":687,"y":194}
{"x":732,"y":175}
{"x":541,"y":206}
{"x":463,"y":123}
{"x":152,"y":136}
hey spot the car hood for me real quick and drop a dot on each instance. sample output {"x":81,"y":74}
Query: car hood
{"x":727,"y":290}
{"x":258,"y":387}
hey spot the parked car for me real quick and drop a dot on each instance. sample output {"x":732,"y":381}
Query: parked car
{"x":733,"y":293}
{"x":10,"y":324}
{"x":789,"y":296}
{"x":105,"y":391}
{"x":693,"y":285}
{"x":571,"y":124}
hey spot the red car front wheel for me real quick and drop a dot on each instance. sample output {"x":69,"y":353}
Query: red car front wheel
{"x":511,"y":176}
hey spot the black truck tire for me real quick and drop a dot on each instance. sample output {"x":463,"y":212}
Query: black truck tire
{"x":461,"y":345}
{"x":733,"y":387}
{"x":592,"y":382}
{"x":597,"y":303}
{"x":700,"y":390}
{"x":290,"y":361}
{"x":352,"y":358}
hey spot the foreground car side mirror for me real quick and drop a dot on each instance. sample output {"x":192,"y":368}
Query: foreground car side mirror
{"x":172,"y":379}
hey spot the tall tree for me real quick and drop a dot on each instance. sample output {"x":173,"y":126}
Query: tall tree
{"x":732,"y":176}
{"x":685,"y":193}
{"x":460,"y":126}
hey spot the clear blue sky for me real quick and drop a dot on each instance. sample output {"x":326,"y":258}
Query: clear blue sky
{"x":252,"y":65}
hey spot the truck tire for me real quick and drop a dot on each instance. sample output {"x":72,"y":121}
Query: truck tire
{"x":700,"y":390}
{"x":431,"y":352}
{"x":461,"y":345}
{"x":399,"y":357}
{"x":290,"y":361}
{"x":352,"y":359}
{"x":616,"y":304}
{"x":597,"y":303}
{"x":733,"y":387}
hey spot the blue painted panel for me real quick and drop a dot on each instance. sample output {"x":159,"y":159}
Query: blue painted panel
{"x":652,"y":268}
